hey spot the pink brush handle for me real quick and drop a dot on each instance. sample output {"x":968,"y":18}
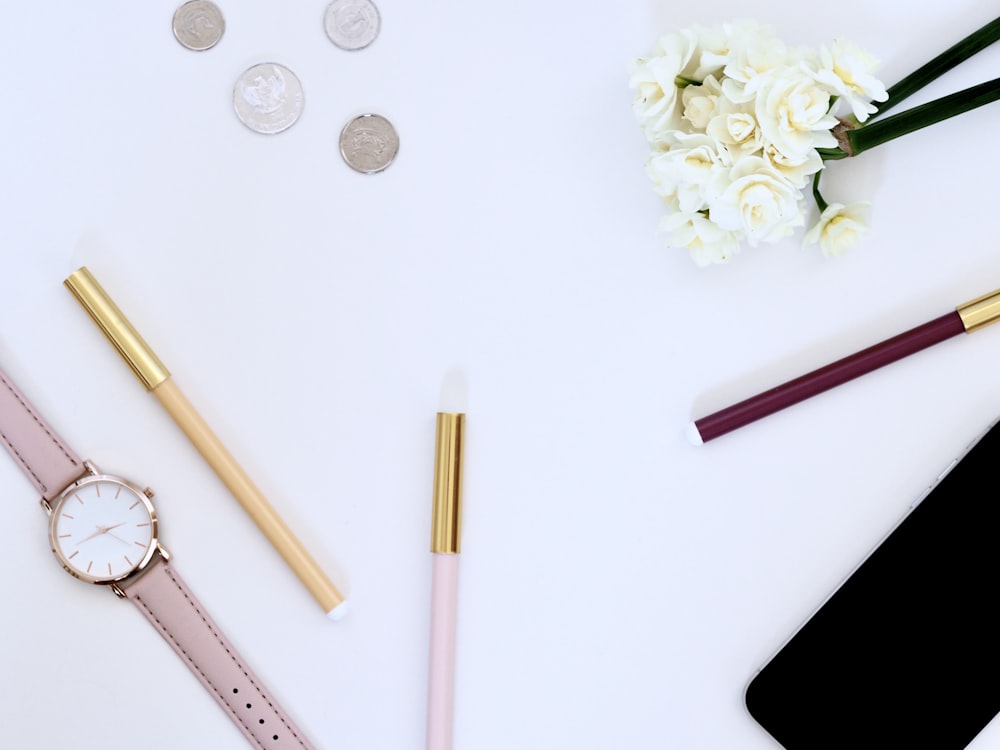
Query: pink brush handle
{"x":441,"y":684}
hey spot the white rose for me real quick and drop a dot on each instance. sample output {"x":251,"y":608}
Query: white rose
{"x":713,"y":52}
{"x":685,"y":171}
{"x":705,"y":240}
{"x":796,"y":170}
{"x":655,"y":80}
{"x":701,"y":102}
{"x":839,"y":228}
{"x":849,"y":74}
{"x":794,"y":113}
{"x":735,"y":126}
{"x":755,"y":198}
{"x":753,"y":51}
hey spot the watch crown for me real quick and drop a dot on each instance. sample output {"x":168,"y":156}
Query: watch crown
{"x":148,"y":493}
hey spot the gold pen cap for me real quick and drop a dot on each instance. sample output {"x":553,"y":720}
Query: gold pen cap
{"x":446,"y":526}
{"x":980,"y":312}
{"x":123,"y":337}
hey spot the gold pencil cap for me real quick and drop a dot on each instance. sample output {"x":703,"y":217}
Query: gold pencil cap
{"x":446,"y":524}
{"x":115,"y":326}
{"x":980,"y":312}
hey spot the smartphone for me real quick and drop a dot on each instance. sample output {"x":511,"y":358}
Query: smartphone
{"x":906,"y":652}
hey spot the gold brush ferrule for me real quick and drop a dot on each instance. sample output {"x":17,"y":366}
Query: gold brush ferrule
{"x":980,"y":312}
{"x":446,"y":526}
{"x":123,"y":337}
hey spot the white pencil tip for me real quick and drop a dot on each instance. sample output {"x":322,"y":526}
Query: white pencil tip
{"x":339,"y":612}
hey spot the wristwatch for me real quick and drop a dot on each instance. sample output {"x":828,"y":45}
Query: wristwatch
{"x":104,"y":530}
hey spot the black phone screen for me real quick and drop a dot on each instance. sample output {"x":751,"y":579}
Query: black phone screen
{"x":906,"y":652}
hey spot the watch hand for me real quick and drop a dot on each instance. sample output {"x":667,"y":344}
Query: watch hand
{"x":113,"y":536}
{"x":100,"y":530}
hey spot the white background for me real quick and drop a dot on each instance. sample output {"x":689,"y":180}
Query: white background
{"x":619,"y":587}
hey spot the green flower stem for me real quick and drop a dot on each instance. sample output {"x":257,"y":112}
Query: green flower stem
{"x":820,"y":203}
{"x":973,"y":43}
{"x":831,"y":154}
{"x":869,"y":136}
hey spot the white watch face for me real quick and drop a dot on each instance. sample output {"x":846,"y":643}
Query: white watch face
{"x":102,"y":529}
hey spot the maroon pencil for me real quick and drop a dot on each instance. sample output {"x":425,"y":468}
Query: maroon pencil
{"x":965,"y":318}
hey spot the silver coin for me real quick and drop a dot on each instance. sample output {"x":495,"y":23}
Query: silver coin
{"x":198,"y":24}
{"x":352,"y":24}
{"x":369,"y":143}
{"x":268,"y":98}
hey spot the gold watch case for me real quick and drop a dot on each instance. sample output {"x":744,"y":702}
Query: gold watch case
{"x":103,"y":529}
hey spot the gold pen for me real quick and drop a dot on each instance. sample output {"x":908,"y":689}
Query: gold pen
{"x":155,"y":377}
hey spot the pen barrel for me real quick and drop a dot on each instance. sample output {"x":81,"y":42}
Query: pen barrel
{"x":248,"y":496}
{"x":441,"y":680}
{"x":834,"y":374}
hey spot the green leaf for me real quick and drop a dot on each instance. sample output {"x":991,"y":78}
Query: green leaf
{"x":876,"y":133}
{"x":934,"y":69}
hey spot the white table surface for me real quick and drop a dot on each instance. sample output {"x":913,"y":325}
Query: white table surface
{"x":618,"y":586}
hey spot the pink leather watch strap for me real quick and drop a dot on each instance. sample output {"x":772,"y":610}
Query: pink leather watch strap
{"x":38,"y":450}
{"x":165,"y":600}
{"x":159,"y":593}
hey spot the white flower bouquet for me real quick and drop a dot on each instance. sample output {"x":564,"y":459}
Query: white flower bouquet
{"x":739,"y":123}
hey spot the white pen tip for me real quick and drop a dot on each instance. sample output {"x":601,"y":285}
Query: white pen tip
{"x":692,"y":434}
{"x":339,"y":612}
